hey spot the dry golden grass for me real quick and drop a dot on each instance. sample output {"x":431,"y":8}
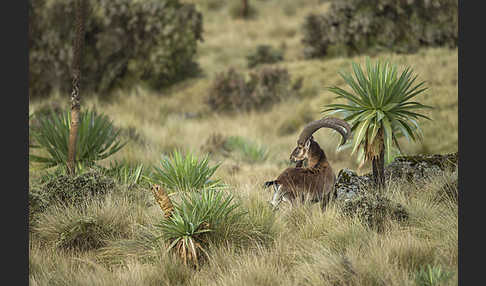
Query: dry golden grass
{"x":304,"y":245}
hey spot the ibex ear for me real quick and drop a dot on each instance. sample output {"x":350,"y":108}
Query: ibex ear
{"x":307,"y":143}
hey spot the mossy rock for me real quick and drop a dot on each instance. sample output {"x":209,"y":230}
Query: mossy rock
{"x":348,"y":184}
{"x":374,"y":209}
{"x":417,"y":167}
{"x":411,"y":168}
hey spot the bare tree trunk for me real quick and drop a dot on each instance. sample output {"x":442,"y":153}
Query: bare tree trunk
{"x":245,"y":9}
{"x":378,"y":165}
{"x":80,"y":11}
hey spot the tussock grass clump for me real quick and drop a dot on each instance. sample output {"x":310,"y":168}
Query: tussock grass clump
{"x":432,"y":275}
{"x":52,"y":267}
{"x":235,"y":146}
{"x":248,"y":151}
{"x":449,"y":191}
{"x":215,"y":144}
{"x":85,"y":226}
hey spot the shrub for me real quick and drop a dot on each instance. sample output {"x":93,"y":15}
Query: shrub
{"x":126,"y":42}
{"x":374,"y":209}
{"x":264,"y":54}
{"x":185,"y":173}
{"x":213,"y":4}
{"x":97,"y":138}
{"x":69,"y":189}
{"x":265,"y":87}
{"x":360,"y":26}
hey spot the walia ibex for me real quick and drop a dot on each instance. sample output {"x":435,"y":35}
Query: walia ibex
{"x":316,"y":181}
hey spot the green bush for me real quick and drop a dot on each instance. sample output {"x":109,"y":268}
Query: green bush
{"x":69,"y":189}
{"x":230,"y":91}
{"x":374,"y":209}
{"x":264,"y":54}
{"x":362,"y":26}
{"x":126,"y":41}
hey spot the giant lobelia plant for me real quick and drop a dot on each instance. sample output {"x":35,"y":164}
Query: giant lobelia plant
{"x":379,"y":109}
{"x":97,"y":139}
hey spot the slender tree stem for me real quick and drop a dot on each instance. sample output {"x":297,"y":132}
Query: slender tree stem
{"x":245,"y":8}
{"x":378,"y":164}
{"x":80,"y":10}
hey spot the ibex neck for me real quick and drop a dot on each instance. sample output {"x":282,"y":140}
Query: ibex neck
{"x":316,"y":159}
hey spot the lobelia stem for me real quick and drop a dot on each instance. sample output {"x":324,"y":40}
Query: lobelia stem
{"x":80,"y":11}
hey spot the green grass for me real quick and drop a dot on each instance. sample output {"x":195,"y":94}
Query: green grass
{"x":247,"y":150}
{"x":292,"y":246}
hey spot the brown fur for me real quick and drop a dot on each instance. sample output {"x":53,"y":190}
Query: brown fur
{"x":315,"y":182}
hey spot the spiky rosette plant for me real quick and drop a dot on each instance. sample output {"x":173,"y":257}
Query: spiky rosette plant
{"x":379,"y":109}
{"x":97,"y":139}
{"x":200,"y":217}
{"x":185,"y":173}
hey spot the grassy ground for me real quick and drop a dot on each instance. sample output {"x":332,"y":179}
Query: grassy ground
{"x":303,"y":246}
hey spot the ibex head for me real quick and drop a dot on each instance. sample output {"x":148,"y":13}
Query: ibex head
{"x":306,"y":142}
{"x":301,"y":152}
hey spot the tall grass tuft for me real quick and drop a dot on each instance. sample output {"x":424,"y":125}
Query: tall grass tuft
{"x":248,"y":151}
{"x":85,"y":226}
{"x":432,"y":276}
{"x":185,"y":173}
{"x":127,"y":173}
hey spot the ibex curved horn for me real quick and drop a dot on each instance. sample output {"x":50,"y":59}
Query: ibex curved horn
{"x":337,"y":124}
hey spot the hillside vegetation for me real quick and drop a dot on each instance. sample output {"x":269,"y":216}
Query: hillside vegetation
{"x":291,"y":246}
